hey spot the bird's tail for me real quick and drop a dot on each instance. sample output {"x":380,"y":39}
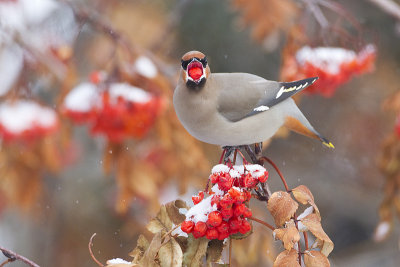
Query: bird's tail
{"x":325,"y":141}
{"x":302,"y":126}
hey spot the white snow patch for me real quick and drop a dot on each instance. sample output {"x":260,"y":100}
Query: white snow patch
{"x":219,"y":168}
{"x":381,"y":231}
{"x":146,"y":67}
{"x":199,"y":212}
{"x":23,"y":115}
{"x":11,"y":61}
{"x":327,"y":58}
{"x":129,"y":92}
{"x":118,"y":261}
{"x":18,"y":15}
{"x":217,"y":191}
{"x":256,"y":170}
{"x":83,"y":98}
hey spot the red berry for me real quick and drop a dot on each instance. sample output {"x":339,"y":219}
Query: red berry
{"x":223,"y":227}
{"x":244,"y":227}
{"x":214,"y":219}
{"x":187,"y":226}
{"x":247,"y":195}
{"x":222,"y":236}
{"x":199,"y":229}
{"x":227,"y":213}
{"x":226,"y":202}
{"x":212,"y":234}
{"x":234,"y":193}
{"x":249,"y":181}
{"x":263,"y":178}
{"x":197,"y":198}
{"x":214,"y":178}
{"x":238,"y":210}
{"x":247,"y":213}
{"x":234,"y":224}
{"x":225,"y":181}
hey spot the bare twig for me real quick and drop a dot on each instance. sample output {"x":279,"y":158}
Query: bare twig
{"x":12,"y":256}
{"x":90,"y":245}
{"x":262,"y":159}
{"x":316,"y":11}
{"x":262,"y":222}
{"x":388,"y":6}
{"x":170,"y":231}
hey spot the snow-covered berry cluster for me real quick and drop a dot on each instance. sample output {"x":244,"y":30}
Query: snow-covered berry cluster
{"x":24,"y":120}
{"x":334,"y":66}
{"x":225,"y":211}
{"x":118,"y":110}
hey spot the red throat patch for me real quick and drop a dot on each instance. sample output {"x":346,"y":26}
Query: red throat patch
{"x":195,"y":70}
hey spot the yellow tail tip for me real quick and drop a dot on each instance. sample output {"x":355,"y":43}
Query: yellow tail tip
{"x":330,"y":145}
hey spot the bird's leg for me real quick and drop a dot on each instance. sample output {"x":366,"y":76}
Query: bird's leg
{"x":258,"y":149}
{"x":228,"y":152}
{"x":251,"y":154}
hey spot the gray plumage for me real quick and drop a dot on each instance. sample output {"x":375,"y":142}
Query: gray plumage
{"x":232,"y":109}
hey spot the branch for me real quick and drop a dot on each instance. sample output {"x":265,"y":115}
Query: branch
{"x":12,"y":256}
{"x":90,"y":245}
{"x":388,"y":6}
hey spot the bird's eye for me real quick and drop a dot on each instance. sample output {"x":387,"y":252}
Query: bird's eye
{"x":204,"y":62}
{"x":185,"y":63}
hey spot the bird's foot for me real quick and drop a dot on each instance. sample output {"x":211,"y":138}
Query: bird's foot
{"x":229,"y":155}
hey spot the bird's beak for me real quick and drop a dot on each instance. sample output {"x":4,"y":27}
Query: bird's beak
{"x":195,"y":71}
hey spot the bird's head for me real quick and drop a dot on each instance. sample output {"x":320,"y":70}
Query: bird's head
{"x":195,"y":70}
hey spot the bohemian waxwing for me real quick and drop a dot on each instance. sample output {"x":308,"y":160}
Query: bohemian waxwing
{"x":233,"y":109}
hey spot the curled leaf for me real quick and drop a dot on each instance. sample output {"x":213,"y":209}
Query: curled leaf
{"x":312,"y":223}
{"x":287,"y":259}
{"x":282,"y":207}
{"x":315,"y":258}
{"x":149,"y":257}
{"x":288,"y":235}
{"x":161,"y":223}
{"x":214,"y":250}
{"x":195,"y":251}
{"x":303,"y":195}
{"x":170,"y":254}
{"x":173,"y":211}
{"x":141,"y":247}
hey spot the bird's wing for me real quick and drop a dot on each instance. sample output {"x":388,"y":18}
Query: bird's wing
{"x":243,"y":95}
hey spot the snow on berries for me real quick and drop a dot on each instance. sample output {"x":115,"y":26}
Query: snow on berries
{"x":225,"y":211}
{"x":116,"y":110}
{"x":25,"y":120}
{"x":333,"y":65}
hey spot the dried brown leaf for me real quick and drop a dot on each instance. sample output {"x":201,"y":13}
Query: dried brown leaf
{"x":195,"y":251}
{"x":315,"y":258}
{"x":170,"y":254}
{"x":312,"y":223}
{"x":138,"y":252}
{"x":288,"y":235}
{"x":149,"y":257}
{"x":303,"y":195}
{"x":282,"y":207}
{"x":214,"y":250}
{"x":161,"y":223}
{"x":287,"y":259}
{"x":173,"y":211}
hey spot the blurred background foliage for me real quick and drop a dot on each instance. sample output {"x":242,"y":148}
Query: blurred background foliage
{"x":56,"y":193}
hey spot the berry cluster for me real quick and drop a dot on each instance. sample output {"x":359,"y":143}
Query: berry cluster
{"x":24,"y":120}
{"x":333,"y":66}
{"x":118,"y":111}
{"x":225,"y":211}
